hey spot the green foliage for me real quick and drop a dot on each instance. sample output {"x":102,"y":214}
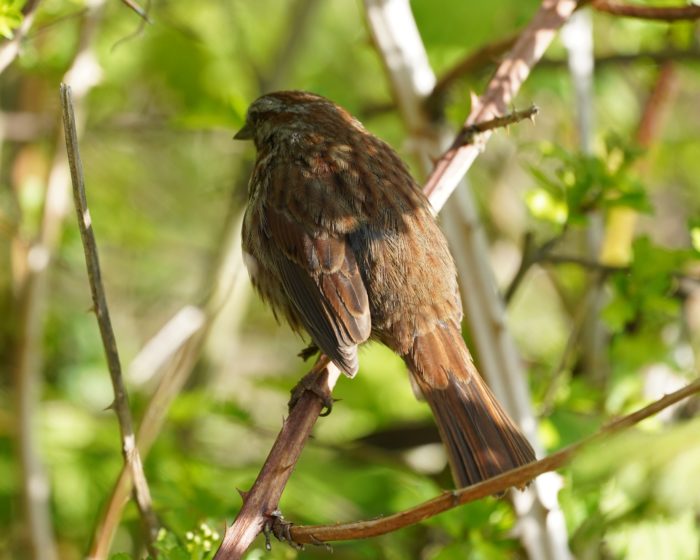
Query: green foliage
{"x":643,"y":297}
{"x":641,"y":505}
{"x":580,"y":184}
{"x":163,"y":179}
{"x":10,"y":17}
{"x":199,"y":544}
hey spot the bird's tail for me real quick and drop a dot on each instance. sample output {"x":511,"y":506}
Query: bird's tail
{"x":480,"y":439}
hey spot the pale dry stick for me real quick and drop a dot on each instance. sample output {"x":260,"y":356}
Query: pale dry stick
{"x":316,"y":534}
{"x":121,"y":400}
{"x":577,"y":37}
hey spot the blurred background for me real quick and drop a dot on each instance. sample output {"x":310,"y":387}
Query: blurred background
{"x":592,"y":218}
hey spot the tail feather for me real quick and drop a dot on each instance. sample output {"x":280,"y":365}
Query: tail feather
{"x":480,"y":439}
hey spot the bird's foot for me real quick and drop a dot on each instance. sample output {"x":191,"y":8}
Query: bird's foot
{"x":277,"y":526}
{"x":312,"y":382}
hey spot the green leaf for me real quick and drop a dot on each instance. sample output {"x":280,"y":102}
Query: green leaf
{"x":544,"y":206}
{"x":11,"y":17}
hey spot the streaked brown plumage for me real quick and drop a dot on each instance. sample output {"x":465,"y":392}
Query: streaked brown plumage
{"x":340,"y":240}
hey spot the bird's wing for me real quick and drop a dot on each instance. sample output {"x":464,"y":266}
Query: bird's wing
{"x":323,"y":282}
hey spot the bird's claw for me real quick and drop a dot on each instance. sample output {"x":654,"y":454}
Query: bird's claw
{"x":276,"y":526}
{"x":309,"y":383}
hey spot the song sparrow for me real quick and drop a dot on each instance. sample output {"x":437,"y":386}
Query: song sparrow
{"x":339,"y":239}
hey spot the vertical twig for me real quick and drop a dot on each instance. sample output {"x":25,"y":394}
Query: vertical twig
{"x":302,"y":12}
{"x":121,"y":400}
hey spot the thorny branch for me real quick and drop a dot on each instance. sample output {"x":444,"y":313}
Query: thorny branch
{"x":515,"y":478}
{"x":121,"y":400}
{"x":502,"y":88}
{"x":468,"y":134}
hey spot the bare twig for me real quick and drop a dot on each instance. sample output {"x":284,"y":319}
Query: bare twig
{"x":473,"y":63}
{"x":583,"y":262}
{"x":643,"y":56}
{"x":515,"y":478}
{"x":530,"y":255}
{"x":468,"y":133}
{"x":662,"y":13}
{"x":121,"y":401}
{"x":301,"y":16}
{"x":143,"y":21}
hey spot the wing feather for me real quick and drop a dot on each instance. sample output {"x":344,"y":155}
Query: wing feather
{"x":323,"y":282}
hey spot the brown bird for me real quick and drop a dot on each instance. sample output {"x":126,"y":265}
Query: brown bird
{"x":339,"y":239}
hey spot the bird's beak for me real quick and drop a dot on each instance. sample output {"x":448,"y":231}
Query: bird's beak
{"x":244,"y":133}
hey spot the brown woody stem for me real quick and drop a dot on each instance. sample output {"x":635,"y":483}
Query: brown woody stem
{"x":515,"y":478}
{"x":468,"y":133}
{"x":260,"y":503}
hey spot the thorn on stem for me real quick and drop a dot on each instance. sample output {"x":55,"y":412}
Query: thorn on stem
{"x":243,"y":494}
